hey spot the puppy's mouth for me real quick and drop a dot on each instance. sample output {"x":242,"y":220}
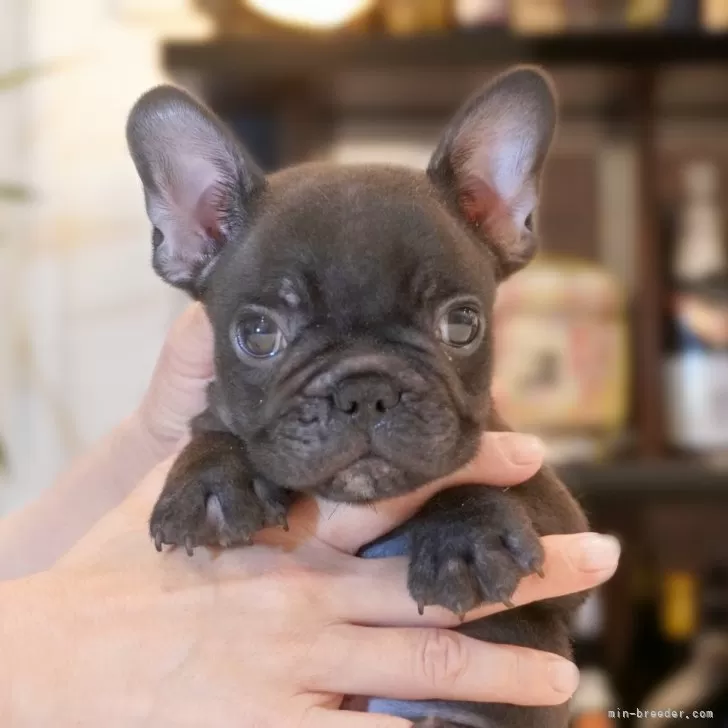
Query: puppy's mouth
{"x":319,"y":449}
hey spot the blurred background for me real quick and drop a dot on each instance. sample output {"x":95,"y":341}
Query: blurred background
{"x":613,"y":346}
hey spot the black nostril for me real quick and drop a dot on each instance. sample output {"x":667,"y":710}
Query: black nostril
{"x":346,"y":404}
{"x":387,"y":402}
{"x":369,"y":395}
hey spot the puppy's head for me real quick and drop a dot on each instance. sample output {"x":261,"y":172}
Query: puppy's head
{"x":351,"y":305}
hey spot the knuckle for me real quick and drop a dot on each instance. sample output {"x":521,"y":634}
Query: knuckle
{"x":441,"y":657}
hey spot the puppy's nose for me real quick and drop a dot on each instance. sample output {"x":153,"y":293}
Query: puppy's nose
{"x":366,"y":396}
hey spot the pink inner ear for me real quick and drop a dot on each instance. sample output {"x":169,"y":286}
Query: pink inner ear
{"x":209,"y":210}
{"x":480,"y":203}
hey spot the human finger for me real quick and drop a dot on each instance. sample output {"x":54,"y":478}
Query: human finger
{"x":431,"y":663}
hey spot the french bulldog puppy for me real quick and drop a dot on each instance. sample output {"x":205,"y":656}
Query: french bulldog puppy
{"x":352,"y":314}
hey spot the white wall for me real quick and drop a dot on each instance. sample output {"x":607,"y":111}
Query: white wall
{"x":90,"y":315}
{"x":12,"y":167}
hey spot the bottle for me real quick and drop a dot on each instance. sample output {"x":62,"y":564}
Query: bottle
{"x":646,"y":13}
{"x":696,"y":362}
{"x":595,"y":696}
{"x":643,"y":665}
{"x":407,"y":17}
{"x":683,"y":16}
{"x":538,"y":16}
{"x":480,"y":13}
{"x":678,"y":615}
{"x":595,"y":15}
{"x":715,"y":15}
{"x":698,"y":688}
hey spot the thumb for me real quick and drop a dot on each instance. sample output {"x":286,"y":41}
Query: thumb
{"x":178,"y":389}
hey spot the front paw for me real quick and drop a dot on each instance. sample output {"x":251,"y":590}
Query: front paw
{"x":462,"y":560}
{"x":214,"y":507}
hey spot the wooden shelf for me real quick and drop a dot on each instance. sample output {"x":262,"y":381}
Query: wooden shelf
{"x":258,"y":58}
{"x":647,"y":479}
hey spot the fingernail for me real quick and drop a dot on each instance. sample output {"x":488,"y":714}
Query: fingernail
{"x":521,"y":449}
{"x":597,"y":552}
{"x":563,"y":676}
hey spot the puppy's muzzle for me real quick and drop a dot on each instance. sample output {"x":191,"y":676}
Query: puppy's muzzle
{"x":364,"y":387}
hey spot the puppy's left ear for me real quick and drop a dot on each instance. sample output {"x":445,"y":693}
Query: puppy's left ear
{"x":489,"y":161}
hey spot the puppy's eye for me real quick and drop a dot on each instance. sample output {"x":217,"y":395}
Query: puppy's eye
{"x":459,"y":327}
{"x":258,"y":335}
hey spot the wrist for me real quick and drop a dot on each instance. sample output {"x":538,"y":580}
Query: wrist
{"x":38,"y":535}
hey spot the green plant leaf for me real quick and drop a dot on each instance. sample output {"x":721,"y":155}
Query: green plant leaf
{"x":14,"y":192}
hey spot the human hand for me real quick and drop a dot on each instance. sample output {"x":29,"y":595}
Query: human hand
{"x":272,"y":635}
{"x":177,"y":390}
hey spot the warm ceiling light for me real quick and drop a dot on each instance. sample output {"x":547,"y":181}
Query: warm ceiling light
{"x":323,"y":14}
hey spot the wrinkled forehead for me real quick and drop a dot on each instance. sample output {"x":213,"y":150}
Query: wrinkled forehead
{"x":372,"y":239}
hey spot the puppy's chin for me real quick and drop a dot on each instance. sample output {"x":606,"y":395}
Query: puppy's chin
{"x":368,"y":479}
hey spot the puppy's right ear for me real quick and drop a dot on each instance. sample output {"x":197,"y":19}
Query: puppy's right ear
{"x":198,"y":183}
